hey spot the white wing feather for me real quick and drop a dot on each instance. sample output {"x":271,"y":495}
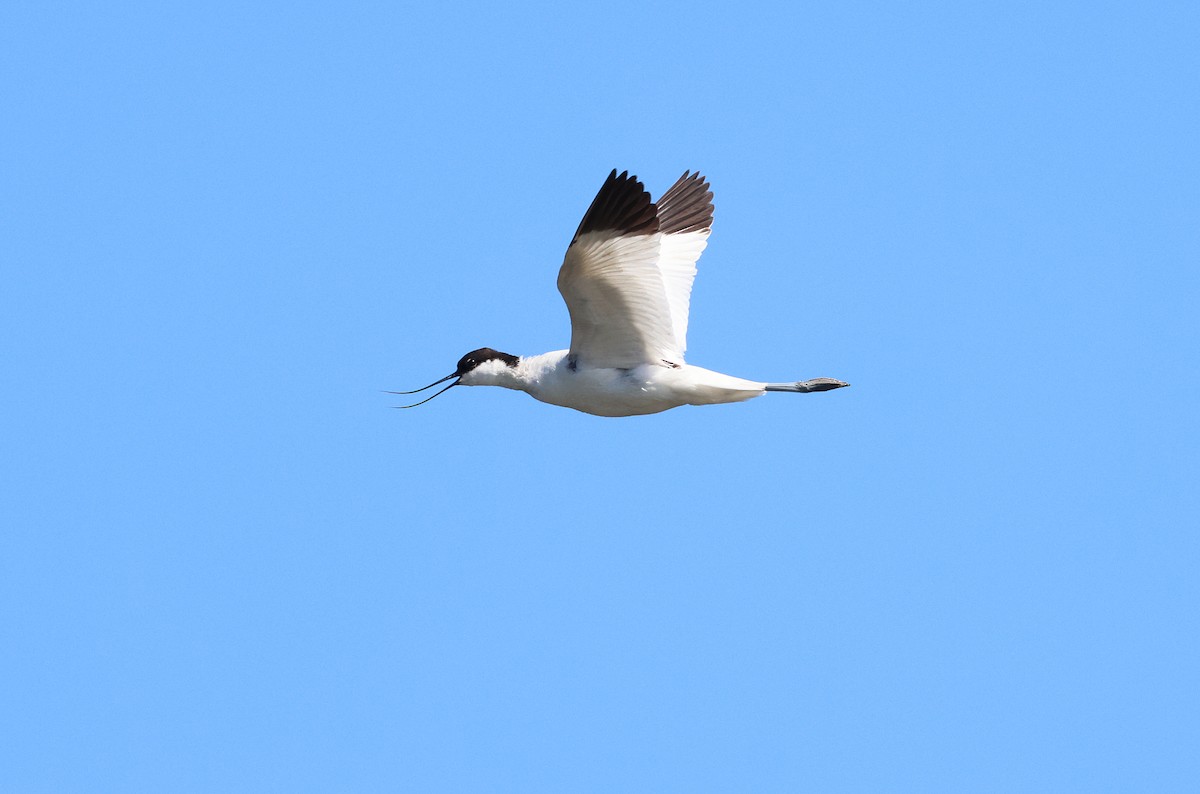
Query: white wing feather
{"x":627,"y":276}
{"x":677,"y":263}
{"x":620,"y":313}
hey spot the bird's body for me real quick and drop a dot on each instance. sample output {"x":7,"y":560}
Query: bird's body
{"x":612,"y":391}
{"x":627,"y":281}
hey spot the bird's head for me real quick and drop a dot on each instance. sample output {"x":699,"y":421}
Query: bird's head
{"x":482,"y":367}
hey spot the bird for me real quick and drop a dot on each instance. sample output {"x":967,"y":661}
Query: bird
{"x":627,"y":282}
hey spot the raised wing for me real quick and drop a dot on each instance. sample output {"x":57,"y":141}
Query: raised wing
{"x":627,"y":276}
{"x":685,"y":215}
{"x":620,"y":314}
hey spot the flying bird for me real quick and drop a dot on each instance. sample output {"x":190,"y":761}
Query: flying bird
{"x":627,"y":280}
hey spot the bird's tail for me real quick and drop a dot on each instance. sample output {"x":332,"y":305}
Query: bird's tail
{"x":804,"y":386}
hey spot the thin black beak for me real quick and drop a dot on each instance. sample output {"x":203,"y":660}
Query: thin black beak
{"x":435,"y":394}
{"x":423,"y":388}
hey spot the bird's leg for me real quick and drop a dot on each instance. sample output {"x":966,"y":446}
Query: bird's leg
{"x":816,"y":384}
{"x":820,"y":384}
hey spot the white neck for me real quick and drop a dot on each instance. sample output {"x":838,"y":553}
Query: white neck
{"x":494,"y":373}
{"x":525,"y":376}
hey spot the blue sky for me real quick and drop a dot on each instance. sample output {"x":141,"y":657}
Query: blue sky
{"x":227,"y":564}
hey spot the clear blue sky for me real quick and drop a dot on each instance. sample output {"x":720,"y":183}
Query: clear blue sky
{"x":226,"y":564}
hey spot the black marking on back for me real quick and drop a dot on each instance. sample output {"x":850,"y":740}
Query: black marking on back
{"x":687,"y":206}
{"x":622,"y":205}
{"x":476,"y":357}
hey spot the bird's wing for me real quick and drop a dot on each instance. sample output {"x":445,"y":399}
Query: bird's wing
{"x":610,"y":279}
{"x":685,"y":215}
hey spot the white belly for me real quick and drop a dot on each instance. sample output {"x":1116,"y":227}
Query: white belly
{"x":640,"y":390}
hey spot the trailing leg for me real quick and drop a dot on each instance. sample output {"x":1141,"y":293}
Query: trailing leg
{"x":804,"y":386}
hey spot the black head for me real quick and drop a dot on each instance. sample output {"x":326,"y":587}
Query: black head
{"x":476,"y":357}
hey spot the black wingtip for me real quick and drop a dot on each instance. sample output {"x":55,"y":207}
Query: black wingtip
{"x":686,"y":206}
{"x":622,"y":205}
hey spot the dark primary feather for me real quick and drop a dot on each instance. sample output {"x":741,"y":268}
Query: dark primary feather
{"x":622,"y":205}
{"x":687,"y":206}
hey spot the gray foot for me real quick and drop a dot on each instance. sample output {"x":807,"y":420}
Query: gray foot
{"x":804,"y":386}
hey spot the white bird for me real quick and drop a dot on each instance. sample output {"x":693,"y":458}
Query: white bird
{"x":627,"y":280}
